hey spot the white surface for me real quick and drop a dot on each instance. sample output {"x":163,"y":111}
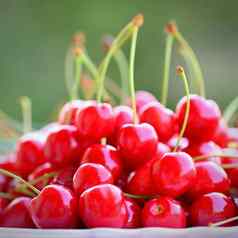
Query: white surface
{"x":200,"y":232}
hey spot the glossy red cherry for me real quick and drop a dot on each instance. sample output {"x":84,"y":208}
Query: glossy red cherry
{"x":174,"y":174}
{"x":4,"y":182}
{"x":137,"y":144}
{"x":161,"y":150}
{"x":211,"y":208}
{"x":90,"y":174}
{"x":106,"y":155}
{"x":68,"y":112}
{"x":134,"y":214}
{"x":29,"y":152}
{"x":8,"y":162}
{"x":161,"y":118}
{"x":95,"y":121}
{"x":204,"y":117}
{"x":17,"y":215}
{"x":183,"y":143}
{"x":221,"y":137}
{"x":122,"y":116}
{"x":61,"y":147}
{"x":40,"y":171}
{"x":210,"y":178}
{"x":103,"y":206}
{"x":54,"y":207}
{"x":163,"y":212}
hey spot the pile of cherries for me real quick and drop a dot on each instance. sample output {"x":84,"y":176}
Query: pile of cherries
{"x":113,"y":166}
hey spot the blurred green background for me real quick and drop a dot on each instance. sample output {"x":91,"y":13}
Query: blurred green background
{"x":36,"y":34}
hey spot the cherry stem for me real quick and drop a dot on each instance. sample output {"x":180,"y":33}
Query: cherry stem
{"x":12,"y":175}
{"x":167,"y":63}
{"x":182,"y":75}
{"x":26,"y":107}
{"x":6,"y":196}
{"x":229,"y":166}
{"x":220,"y":223}
{"x":189,"y":56}
{"x":138,"y":196}
{"x":233,"y":145}
{"x":230,"y":110}
{"x":203,"y":157}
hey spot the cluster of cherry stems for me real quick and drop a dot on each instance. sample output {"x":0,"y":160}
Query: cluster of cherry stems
{"x":127,"y":166}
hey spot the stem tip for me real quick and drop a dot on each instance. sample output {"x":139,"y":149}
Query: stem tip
{"x":138,"y":20}
{"x":171,"y":28}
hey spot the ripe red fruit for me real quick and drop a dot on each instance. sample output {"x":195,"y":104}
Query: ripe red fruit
{"x":8,"y":162}
{"x":161,"y":150}
{"x":161,"y":118}
{"x":68,"y":112}
{"x":174,"y":174}
{"x":3,"y":203}
{"x":40,"y":171}
{"x":221,"y":137}
{"x":122,"y":116}
{"x":17,"y":215}
{"x":211,"y":208}
{"x":134,"y":214}
{"x":137,"y":144}
{"x":61,"y":147}
{"x":54,"y":207}
{"x":95,"y":121}
{"x":103,"y":206}
{"x":210,"y":178}
{"x":29,"y":152}
{"x":105,"y":155}
{"x":90,"y":174}
{"x":163,"y":212}
{"x":204,"y":117}
{"x":4,"y":182}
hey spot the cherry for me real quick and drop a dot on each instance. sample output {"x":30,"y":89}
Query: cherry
{"x":221,"y":137}
{"x":3,"y":203}
{"x":210,"y":178}
{"x":4,"y":183}
{"x":8,"y":162}
{"x":68,"y":112}
{"x":103,"y":206}
{"x":29,"y":152}
{"x":181,"y":145}
{"x":174,"y":174}
{"x":42,"y":170}
{"x":90,"y":174}
{"x":106,"y":155}
{"x":122,"y":116}
{"x":16,"y":214}
{"x":137,"y":144}
{"x":54,"y":207}
{"x":161,"y":150}
{"x":163,"y":212}
{"x":61,"y":147}
{"x":204,"y":117}
{"x":161,"y":118}
{"x":95,"y":121}
{"x":211,"y":208}
{"x":134,"y":214}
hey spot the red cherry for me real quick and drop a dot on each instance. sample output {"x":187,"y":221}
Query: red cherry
{"x":68,"y":112}
{"x":140,"y":181}
{"x":16,"y":214}
{"x":65,"y":177}
{"x":40,"y":171}
{"x":105,"y":155}
{"x":173,"y":174}
{"x":103,"y":206}
{"x":163,"y":212}
{"x":134,"y":214}
{"x":95,"y":121}
{"x":211,"y":208}
{"x":29,"y":152}
{"x":183,"y":143}
{"x":54,"y":207}
{"x":122,"y":116}
{"x":210,"y":178}
{"x":204,"y":117}
{"x":4,"y":182}
{"x":8,"y":162}
{"x":161,"y":150}
{"x":3,"y":203}
{"x":161,"y":118}
{"x":221,"y":137}
{"x":61,"y":147}
{"x":88,"y":175}
{"x":137,"y":144}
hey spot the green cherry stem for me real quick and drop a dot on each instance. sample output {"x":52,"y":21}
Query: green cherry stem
{"x":220,"y":223}
{"x":26,"y":107}
{"x":182,"y":75}
{"x":138,"y":196}
{"x":167,"y":63}
{"x":229,"y":166}
{"x":230,"y":110}
{"x":14,"y":176}
{"x":203,"y":157}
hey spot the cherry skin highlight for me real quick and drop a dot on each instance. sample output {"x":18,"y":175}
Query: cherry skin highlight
{"x":90,"y":174}
{"x":212,"y":208}
{"x":174,"y":174}
{"x":54,"y":207}
{"x":163,"y":212}
{"x":103,"y":206}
